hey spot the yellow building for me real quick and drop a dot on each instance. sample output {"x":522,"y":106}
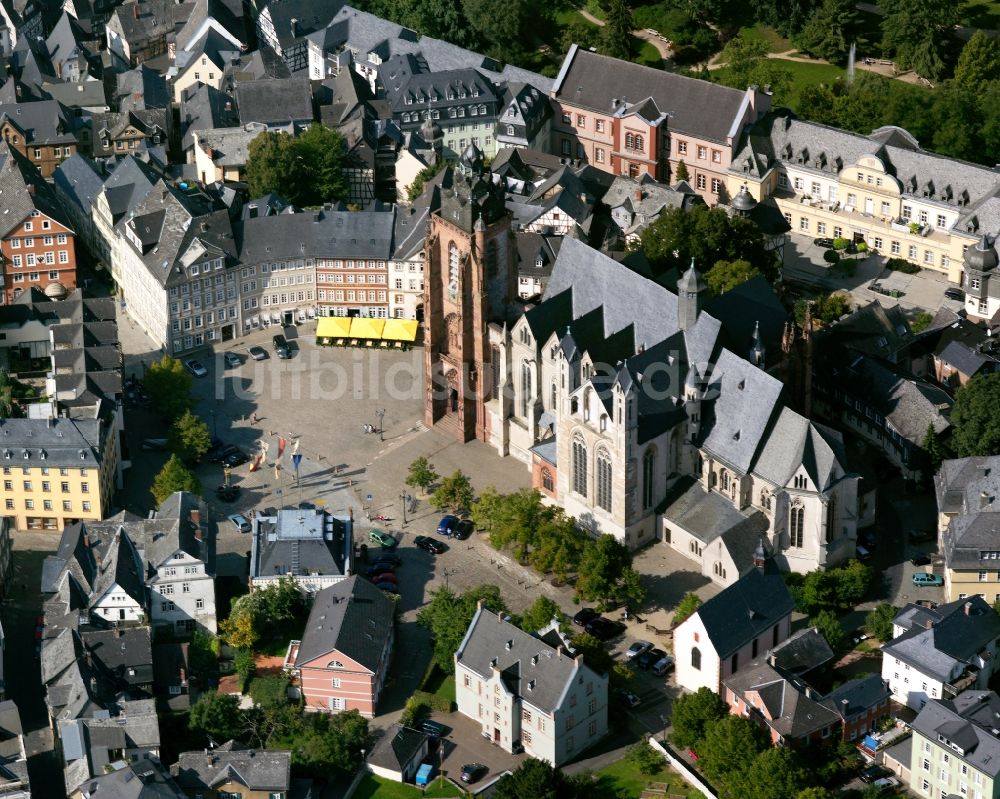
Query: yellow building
{"x":882,"y":189}
{"x":57,"y":471}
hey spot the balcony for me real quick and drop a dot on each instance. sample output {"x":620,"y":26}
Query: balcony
{"x":964,"y":682}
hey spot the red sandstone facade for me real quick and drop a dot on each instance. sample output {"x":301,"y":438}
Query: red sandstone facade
{"x":36,"y":253}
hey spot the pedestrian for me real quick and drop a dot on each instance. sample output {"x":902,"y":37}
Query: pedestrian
{"x":253,"y":419}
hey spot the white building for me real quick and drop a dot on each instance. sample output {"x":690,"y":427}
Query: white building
{"x":526,"y":694}
{"x":312,"y":547}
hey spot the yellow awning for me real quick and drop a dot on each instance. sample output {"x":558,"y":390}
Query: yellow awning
{"x":333,"y":327}
{"x":363,"y":327}
{"x":400,"y":330}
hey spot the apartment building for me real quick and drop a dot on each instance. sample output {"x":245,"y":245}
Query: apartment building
{"x":42,"y":131}
{"x":632,"y":120}
{"x":954,"y":750}
{"x":556,"y":708}
{"x":36,"y":241}
{"x":902,"y":201}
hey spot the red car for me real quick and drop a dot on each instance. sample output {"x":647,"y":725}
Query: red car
{"x":387,"y":577}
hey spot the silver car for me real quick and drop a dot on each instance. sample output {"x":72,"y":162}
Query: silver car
{"x":240,"y":522}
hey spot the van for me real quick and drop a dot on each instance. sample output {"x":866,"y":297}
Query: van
{"x":280,"y":346}
{"x":663,"y":665}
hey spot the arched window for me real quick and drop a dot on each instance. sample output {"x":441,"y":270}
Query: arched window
{"x":724,"y":479}
{"x":648,"y":471}
{"x":580,"y":467}
{"x":831,"y":518}
{"x":696,"y":658}
{"x":552,"y":396}
{"x":604,"y":422}
{"x":453,"y":270}
{"x":604,"y":480}
{"x":525,"y":387}
{"x":491,"y":258}
{"x":510,"y":130}
{"x":547,"y":482}
{"x":765,"y":499}
{"x":588,"y":397}
{"x":795,"y":525}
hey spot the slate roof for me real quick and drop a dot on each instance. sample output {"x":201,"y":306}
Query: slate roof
{"x":353,"y":618}
{"x":535,"y":247}
{"x":952,"y":641}
{"x":87,"y":94}
{"x":801,"y":652}
{"x":227,"y":147}
{"x":313,"y":539}
{"x":275,"y":102}
{"x":141,"y":88}
{"x":203,"y":108}
{"x":531,"y":669}
{"x":795,"y":441}
{"x":258,"y":769}
{"x":309,"y":16}
{"x":216,"y":10}
{"x":130,"y":181}
{"x":155,"y":19}
{"x":397,"y":747}
{"x":707,"y":514}
{"x":126,"y":652}
{"x":741,"y":612}
{"x":78,"y":180}
{"x":861,"y":694}
{"x":23,"y":190}
{"x":790,"y":708}
{"x":696,"y":107}
{"x":968,"y":721}
{"x":142,"y":779}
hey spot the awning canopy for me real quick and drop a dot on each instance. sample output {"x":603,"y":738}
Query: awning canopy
{"x":333,"y":326}
{"x":365,"y":327}
{"x":400,"y":330}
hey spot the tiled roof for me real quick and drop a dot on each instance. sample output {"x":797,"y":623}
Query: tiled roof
{"x":257,"y":769}
{"x":275,"y":102}
{"x":966,"y":721}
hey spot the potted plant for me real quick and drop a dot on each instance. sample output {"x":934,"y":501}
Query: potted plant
{"x":914,"y":227}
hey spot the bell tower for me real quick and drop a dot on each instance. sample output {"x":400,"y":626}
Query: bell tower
{"x":470,"y":281}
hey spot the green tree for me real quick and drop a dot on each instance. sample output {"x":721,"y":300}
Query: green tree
{"x":834,"y":589}
{"x":604,"y":572}
{"x":921,"y":322}
{"x":688,"y":605}
{"x":542,"y":611}
{"x":932,"y":448}
{"x":244,"y":664}
{"x":581,"y":33}
{"x":307,"y":170}
{"x":190,"y":438}
{"x":830,"y":31}
{"x":828,"y":624}
{"x":168,"y":385}
{"x":203,"y":654}
{"x":447,"y":616}
{"x":728,"y":746}
{"x":682,"y":171}
{"x":692,"y":715}
{"x":174,"y":476}
{"x":421,"y":474}
{"x":815,"y":792}
{"x":878,"y":622}
{"x":217,"y":715}
{"x":453,"y":493}
{"x":776,"y":773}
{"x":7,"y":403}
{"x":706,"y":235}
{"x":975,"y":422}
{"x":321,"y":742}
{"x":535,"y":778}
{"x":512,"y":520}
{"x":617,"y":30}
{"x":595,"y":653}
{"x":979,"y":62}
{"x":645,"y":758}
{"x":919,"y":31}
{"x":559,"y":544}
{"x":727,"y":275}
{"x":747,"y":64}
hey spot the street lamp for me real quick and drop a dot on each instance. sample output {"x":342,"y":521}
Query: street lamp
{"x":380,"y":414}
{"x":404,"y":498}
{"x":664,"y":719}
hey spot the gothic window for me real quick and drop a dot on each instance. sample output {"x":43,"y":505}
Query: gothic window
{"x":580,"y":467}
{"x":547,"y":482}
{"x":553,"y":396}
{"x":724,"y":479}
{"x":648,"y":471}
{"x":491,"y":258}
{"x":831,"y":518}
{"x":587,"y":400}
{"x":450,"y":342}
{"x":800,"y":481}
{"x":604,"y":422}
{"x":604,"y":480}
{"x":696,"y":658}
{"x":495,"y":371}
{"x":795,"y":526}
{"x":453,"y":269}
{"x":765,"y":499}
{"x":525,"y":387}
{"x":719,"y":570}
{"x":699,"y":466}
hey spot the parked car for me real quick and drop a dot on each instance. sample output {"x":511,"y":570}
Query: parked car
{"x":917,"y":536}
{"x":886,"y":784}
{"x":382,"y":539}
{"x":663,"y":665}
{"x":464,"y":529}
{"x":873,"y":772}
{"x":378,"y":569}
{"x":218,"y":454}
{"x":649,"y":657}
{"x":604,"y":629}
{"x":472,"y":772}
{"x":630,"y":699}
{"x":638,"y":648}
{"x":280,"y":344}
{"x":195,"y":367}
{"x":923,"y":578}
{"x":237,"y":458}
{"x":447,"y":525}
{"x":387,"y":558}
{"x":920,"y":559}
{"x":432,"y":728}
{"x":154,"y":444}
{"x":428,"y":544}
{"x":232,"y":359}
{"x":389,"y":588}
{"x":867,"y":538}
{"x":240,"y":522}
{"x":954,"y":294}
{"x":385,"y":577}
{"x":862,"y":554}
{"x":584,"y":615}
{"x":826,"y":244}
{"x":257,"y":352}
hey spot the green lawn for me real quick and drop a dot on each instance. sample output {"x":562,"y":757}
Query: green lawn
{"x":373,"y":787}
{"x":647,"y":55}
{"x":594,"y":8}
{"x":776,"y":43}
{"x":803,"y":75}
{"x":441,"y":685}
{"x":982,"y":14}
{"x":622,"y":779}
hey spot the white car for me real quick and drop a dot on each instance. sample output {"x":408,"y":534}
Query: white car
{"x":637,"y":649}
{"x":886,"y":784}
{"x":630,"y":699}
{"x":240,"y":522}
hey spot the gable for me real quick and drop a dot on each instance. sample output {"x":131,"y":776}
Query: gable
{"x":325,"y":662}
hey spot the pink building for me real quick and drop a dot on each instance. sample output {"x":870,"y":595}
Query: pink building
{"x":343,"y":658}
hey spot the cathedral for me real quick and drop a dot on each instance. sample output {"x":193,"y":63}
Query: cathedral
{"x":648,"y":414}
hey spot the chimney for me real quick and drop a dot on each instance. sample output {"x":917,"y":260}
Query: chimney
{"x":638,"y":194}
{"x":198,"y":535}
{"x":294,"y":27}
{"x":499,"y":616}
{"x":984,"y":499}
{"x":31,"y":189}
{"x":182,"y":672}
{"x":967,"y":607}
{"x":196,"y":516}
{"x":844,"y":704}
{"x":135,"y":9}
{"x":929,"y":623}
{"x":86,"y":541}
{"x":208,"y":758}
{"x":559,"y":652}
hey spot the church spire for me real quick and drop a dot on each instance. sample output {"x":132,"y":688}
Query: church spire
{"x":689,"y":287}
